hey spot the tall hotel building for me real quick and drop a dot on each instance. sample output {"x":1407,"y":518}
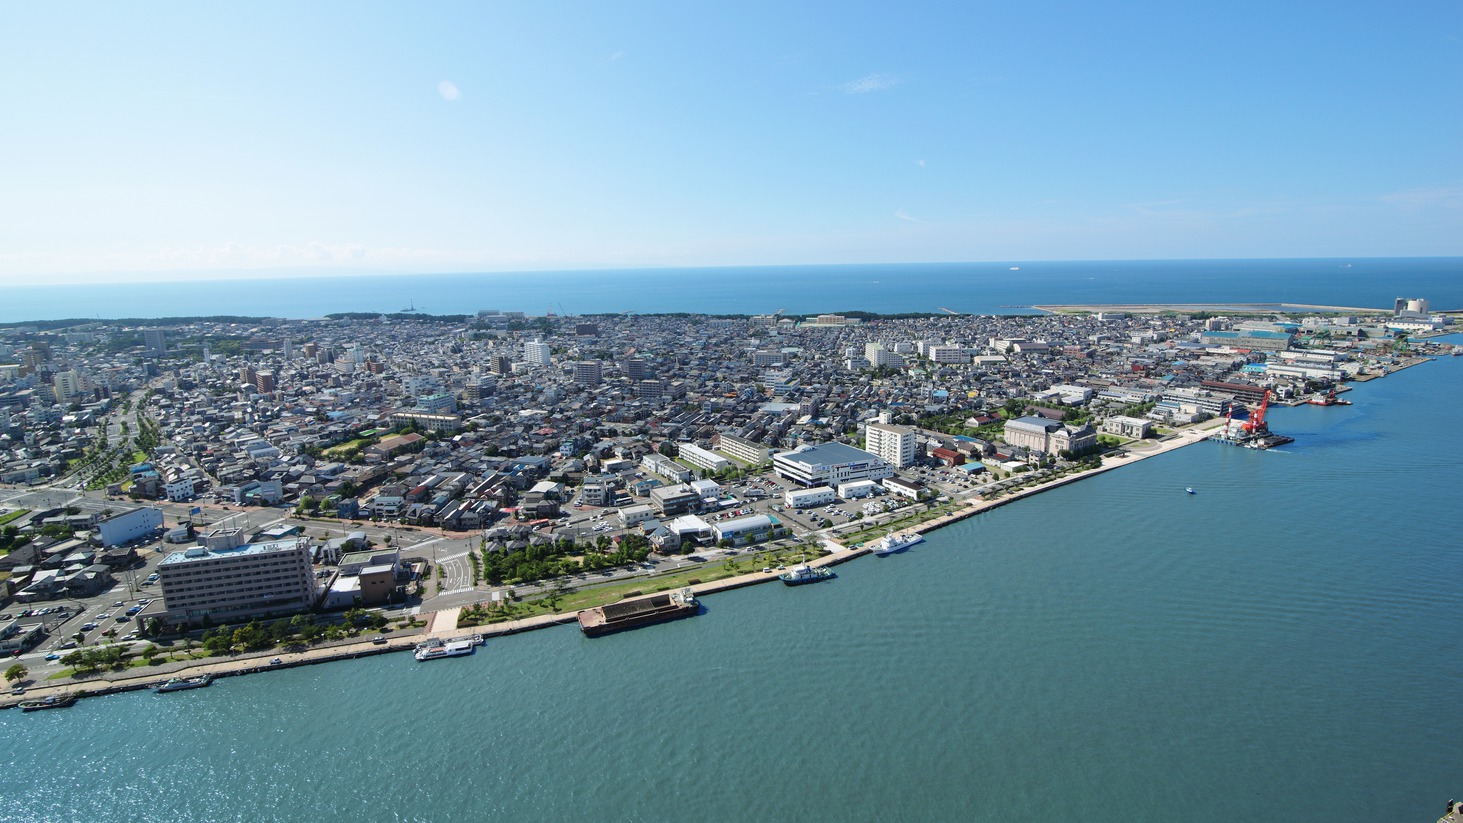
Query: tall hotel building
{"x":229,"y":580}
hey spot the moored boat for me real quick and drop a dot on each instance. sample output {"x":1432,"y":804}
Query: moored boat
{"x":632,"y":614}
{"x":798,"y":575}
{"x":52,"y":702}
{"x":435,"y":649}
{"x":892,"y":543}
{"x":178,"y":684}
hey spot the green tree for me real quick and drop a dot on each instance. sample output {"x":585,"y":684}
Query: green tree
{"x":16,"y":672}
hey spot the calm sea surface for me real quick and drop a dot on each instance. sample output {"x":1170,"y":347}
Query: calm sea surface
{"x":1284,"y":645}
{"x":979,"y":288}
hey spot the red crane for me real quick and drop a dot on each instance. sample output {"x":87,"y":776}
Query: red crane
{"x":1256,"y":423}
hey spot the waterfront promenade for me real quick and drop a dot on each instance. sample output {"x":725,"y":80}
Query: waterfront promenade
{"x":443,"y":624}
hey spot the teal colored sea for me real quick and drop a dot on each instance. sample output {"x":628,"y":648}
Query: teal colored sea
{"x":1283,"y":645}
{"x":971,"y":288}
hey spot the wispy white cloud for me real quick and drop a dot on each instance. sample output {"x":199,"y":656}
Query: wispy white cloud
{"x":877,"y":81}
{"x":448,"y":90}
{"x":616,"y":56}
{"x":920,"y":163}
{"x":1448,"y":197}
{"x":903,"y":215}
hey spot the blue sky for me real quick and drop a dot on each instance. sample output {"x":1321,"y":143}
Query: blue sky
{"x":162,"y":139}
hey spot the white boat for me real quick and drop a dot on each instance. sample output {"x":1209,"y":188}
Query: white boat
{"x":1190,"y":489}
{"x":179,"y":684}
{"x":896,"y":543}
{"x":434,"y":649}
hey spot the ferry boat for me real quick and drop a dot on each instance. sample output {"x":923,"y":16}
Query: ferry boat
{"x":798,"y":575}
{"x":1327,"y":399}
{"x":52,"y":702}
{"x":178,"y":684}
{"x":897,"y":543}
{"x":643,"y":611}
{"x":436,"y":649}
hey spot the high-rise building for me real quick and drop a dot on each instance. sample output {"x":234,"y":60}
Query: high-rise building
{"x":156,"y":341}
{"x":538,"y":353}
{"x":635,"y":369}
{"x":587,"y":373}
{"x":69,"y":386}
{"x":498,"y":364}
{"x":289,"y":350}
{"x":227,"y":580}
{"x":892,"y":444}
{"x":878,"y":355}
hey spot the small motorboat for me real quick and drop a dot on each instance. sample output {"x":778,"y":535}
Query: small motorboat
{"x":1190,"y":490}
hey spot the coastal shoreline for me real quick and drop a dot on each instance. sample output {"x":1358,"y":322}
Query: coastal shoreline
{"x":255,"y":663}
{"x":1228,"y":308}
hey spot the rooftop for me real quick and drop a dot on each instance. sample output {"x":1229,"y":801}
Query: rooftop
{"x":197,"y":553}
{"x":828,"y":454}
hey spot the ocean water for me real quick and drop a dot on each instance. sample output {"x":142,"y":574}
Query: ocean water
{"x":1282,"y":645}
{"x":979,"y":288}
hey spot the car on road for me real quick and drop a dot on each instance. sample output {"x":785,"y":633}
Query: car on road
{"x":275,"y":661}
{"x":380,"y":641}
{"x":104,"y":617}
{"x":53,"y":656}
{"x":86,"y":627}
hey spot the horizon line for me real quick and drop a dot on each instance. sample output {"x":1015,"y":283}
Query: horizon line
{"x":297,"y":272}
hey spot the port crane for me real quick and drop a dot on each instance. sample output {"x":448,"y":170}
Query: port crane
{"x":1256,"y":423}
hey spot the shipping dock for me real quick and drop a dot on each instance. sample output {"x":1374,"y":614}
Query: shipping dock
{"x":1252,"y":433}
{"x":643,"y":611}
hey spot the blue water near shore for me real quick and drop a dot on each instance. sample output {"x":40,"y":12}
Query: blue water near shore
{"x":974,"y":288}
{"x":1282,"y":645}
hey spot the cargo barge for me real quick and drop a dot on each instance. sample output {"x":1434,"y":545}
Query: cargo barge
{"x":1252,"y":433}
{"x":632,"y":614}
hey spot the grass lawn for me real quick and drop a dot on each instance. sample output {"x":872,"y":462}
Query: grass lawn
{"x":752,"y":560}
{"x":15,"y":515}
{"x":341,"y":448}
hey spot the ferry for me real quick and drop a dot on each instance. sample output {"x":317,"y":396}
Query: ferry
{"x":178,"y":684}
{"x":798,"y":575}
{"x":435,"y":649}
{"x":52,"y":702}
{"x":897,"y":543}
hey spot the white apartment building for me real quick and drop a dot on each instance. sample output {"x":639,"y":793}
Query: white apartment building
{"x":701,"y":458}
{"x":236,"y":582}
{"x":747,"y":451}
{"x":538,"y":353}
{"x":892,"y":444}
{"x":69,"y":386}
{"x":878,"y":355}
{"x":665,"y":467}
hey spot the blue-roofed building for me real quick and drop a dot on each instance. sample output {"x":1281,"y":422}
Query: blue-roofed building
{"x":224,"y":582}
{"x":829,"y":464}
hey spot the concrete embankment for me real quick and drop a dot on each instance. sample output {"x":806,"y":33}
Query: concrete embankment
{"x":443,"y":624}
